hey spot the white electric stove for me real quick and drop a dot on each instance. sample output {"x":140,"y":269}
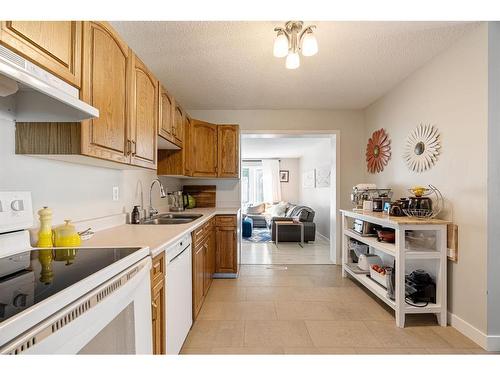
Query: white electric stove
{"x":59,"y":300}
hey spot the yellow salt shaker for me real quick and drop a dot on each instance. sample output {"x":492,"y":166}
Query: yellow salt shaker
{"x":45,"y":231}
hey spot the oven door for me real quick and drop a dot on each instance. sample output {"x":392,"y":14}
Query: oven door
{"x":115,"y":318}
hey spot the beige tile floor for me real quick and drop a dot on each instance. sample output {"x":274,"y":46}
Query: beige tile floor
{"x":317,"y":252}
{"x":309,"y":309}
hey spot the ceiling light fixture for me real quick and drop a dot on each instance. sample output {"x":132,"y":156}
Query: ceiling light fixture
{"x":293,"y":38}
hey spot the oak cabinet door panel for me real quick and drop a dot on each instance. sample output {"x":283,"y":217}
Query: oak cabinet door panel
{"x":144,"y":116}
{"x":105,"y":80}
{"x":54,"y":45}
{"x":228,"y":151}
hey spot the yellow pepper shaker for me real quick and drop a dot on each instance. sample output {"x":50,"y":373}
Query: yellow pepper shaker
{"x":45,"y":231}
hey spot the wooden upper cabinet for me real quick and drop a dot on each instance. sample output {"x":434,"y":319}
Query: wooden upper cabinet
{"x":106,"y":76}
{"x":178,"y":124}
{"x":144,"y":115}
{"x":166,"y":114}
{"x":203,"y":149}
{"x":54,"y":45}
{"x":228,"y":151}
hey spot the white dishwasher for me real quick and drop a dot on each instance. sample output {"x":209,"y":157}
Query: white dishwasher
{"x":179,"y":294}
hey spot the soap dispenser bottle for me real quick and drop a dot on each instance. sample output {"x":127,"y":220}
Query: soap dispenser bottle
{"x":136,"y":216}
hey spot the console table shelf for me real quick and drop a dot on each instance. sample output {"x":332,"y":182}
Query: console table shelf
{"x":431,"y":258}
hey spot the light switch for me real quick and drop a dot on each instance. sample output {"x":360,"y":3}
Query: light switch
{"x":116,"y":193}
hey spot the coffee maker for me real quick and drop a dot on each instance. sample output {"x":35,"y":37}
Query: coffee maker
{"x":367,"y":192}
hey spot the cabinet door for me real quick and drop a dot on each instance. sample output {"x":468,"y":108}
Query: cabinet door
{"x":106,"y":76}
{"x":178,"y":125}
{"x":209,"y":261}
{"x":228,"y":151}
{"x":158,"y":318}
{"x":212,"y":249}
{"x":226,"y":257}
{"x":203,"y":149}
{"x":166,"y":115}
{"x":198,"y":278}
{"x":144,"y":115}
{"x":54,"y":45}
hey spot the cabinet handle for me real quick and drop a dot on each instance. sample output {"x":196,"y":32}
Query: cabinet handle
{"x":153,"y":312}
{"x":129,"y":147}
{"x":135,"y":148}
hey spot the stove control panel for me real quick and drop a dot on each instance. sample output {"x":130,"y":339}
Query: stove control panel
{"x":16,"y":211}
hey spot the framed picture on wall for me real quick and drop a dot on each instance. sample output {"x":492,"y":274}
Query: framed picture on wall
{"x":309,"y":179}
{"x":284,"y":176}
{"x":323,"y":177}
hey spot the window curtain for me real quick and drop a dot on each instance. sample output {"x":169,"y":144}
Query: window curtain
{"x":271,"y":180}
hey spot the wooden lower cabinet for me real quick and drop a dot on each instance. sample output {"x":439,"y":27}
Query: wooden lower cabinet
{"x":198,"y":278}
{"x":227,"y":245}
{"x":158,"y":306}
{"x":203,"y":263}
{"x":209,"y":260}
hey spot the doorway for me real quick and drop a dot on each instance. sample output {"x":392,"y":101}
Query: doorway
{"x":289,"y":193}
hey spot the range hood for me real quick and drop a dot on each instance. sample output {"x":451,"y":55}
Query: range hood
{"x":30,"y":94}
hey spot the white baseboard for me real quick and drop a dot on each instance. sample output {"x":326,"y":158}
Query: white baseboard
{"x":323,"y":237}
{"x":473,"y":333}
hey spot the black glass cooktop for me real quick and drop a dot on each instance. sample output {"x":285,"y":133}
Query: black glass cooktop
{"x":30,"y":277}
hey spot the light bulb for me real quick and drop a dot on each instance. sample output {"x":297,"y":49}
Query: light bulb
{"x":309,"y":44}
{"x":292,"y":60}
{"x":280,"y":45}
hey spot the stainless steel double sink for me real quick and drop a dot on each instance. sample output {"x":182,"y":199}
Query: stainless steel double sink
{"x":171,"y":218}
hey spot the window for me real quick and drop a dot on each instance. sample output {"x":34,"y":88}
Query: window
{"x":252,"y":191}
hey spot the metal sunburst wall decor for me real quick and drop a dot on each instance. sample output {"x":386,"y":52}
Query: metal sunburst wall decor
{"x":378,"y":151}
{"x":422,"y":148}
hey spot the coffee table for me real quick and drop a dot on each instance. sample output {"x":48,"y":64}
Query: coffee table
{"x":282,"y":223}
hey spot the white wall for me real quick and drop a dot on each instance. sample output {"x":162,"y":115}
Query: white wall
{"x":73,"y":191}
{"x":290,"y":189}
{"x":493,"y":313}
{"x":317,"y":198}
{"x":350,"y":141}
{"x":450,"y":92}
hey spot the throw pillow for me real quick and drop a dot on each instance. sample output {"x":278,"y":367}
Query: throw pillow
{"x":277,"y":210}
{"x":257,"y":209}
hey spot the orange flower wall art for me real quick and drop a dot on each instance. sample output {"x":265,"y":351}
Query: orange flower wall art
{"x":378,"y":151}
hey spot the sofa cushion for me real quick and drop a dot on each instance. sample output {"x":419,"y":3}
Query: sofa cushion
{"x":257,"y":209}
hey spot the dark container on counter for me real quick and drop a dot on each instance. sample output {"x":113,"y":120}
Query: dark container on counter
{"x":135,"y":217}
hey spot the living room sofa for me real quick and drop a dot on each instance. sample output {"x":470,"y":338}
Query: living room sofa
{"x":289,"y":233}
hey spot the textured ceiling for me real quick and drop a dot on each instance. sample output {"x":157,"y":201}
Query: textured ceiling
{"x":283,"y":147}
{"x":230,"y":65}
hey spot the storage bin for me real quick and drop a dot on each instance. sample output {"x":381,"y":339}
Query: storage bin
{"x":379,"y":278}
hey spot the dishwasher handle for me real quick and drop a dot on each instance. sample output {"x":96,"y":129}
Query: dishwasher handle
{"x":178,"y":255}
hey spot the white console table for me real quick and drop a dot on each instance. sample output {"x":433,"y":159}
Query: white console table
{"x":432,"y":258}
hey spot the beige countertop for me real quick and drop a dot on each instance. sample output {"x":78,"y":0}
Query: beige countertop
{"x":383,"y":218}
{"x":156,"y":237}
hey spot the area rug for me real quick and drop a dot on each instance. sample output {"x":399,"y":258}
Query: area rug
{"x":259,"y":235}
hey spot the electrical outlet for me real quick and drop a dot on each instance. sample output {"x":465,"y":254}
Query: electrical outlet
{"x":116,"y":193}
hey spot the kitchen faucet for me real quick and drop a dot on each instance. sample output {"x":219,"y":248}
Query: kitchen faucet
{"x":153,"y":211}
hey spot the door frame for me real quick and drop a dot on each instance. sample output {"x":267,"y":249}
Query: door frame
{"x":335,"y":219}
